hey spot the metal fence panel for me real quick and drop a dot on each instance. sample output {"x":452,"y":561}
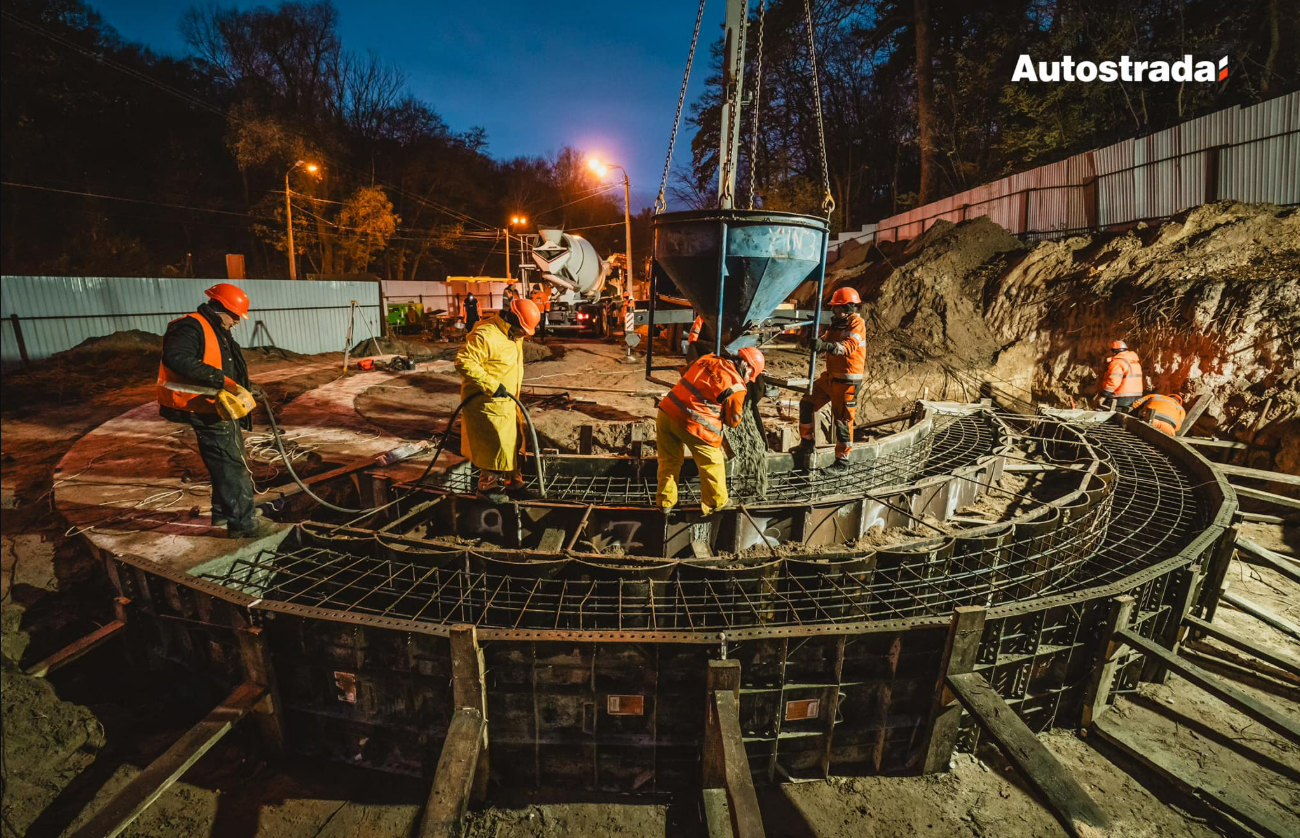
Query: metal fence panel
{"x":58,"y":312}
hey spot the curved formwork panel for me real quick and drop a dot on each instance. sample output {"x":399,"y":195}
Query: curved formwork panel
{"x":597,"y":621}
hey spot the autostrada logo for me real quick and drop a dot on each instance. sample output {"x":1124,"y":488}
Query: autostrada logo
{"x":1125,"y":69}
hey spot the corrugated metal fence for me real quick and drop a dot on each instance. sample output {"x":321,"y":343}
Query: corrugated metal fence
{"x":1244,"y":154}
{"x":43,"y":315}
{"x":448,"y":296}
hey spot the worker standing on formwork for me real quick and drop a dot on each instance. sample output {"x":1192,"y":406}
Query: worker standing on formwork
{"x":1164,"y":413}
{"x":845,"y":347}
{"x":1122,"y":384}
{"x":203,"y":382}
{"x":711,"y":394}
{"x":491,"y":367}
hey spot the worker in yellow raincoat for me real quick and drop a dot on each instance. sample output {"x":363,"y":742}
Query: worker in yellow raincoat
{"x":491,"y":366}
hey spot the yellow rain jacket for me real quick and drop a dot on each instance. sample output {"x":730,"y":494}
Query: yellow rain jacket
{"x":490,"y":427}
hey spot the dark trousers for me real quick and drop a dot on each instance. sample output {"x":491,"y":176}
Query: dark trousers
{"x":221,"y":445}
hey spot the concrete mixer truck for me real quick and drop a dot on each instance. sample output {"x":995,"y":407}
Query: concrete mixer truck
{"x":581,"y":299}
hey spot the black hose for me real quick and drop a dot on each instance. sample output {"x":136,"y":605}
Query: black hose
{"x":278,"y":439}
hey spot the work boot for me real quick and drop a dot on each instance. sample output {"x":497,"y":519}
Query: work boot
{"x":839,"y":467}
{"x":803,"y":455}
{"x":223,"y":521}
{"x":496,"y":496}
{"x":519,"y":491}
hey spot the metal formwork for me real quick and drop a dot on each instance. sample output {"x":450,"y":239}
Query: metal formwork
{"x":596,"y":659}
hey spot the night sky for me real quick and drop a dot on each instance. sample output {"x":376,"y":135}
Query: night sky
{"x":600,"y":75}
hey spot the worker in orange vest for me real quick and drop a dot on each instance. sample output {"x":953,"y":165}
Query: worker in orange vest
{"x":541,"y":298}
{"x":1122,"y":383}
{"x":710,"y":395}
{"x":1164,"y":413}
{"x":845,"y":347}
{"x":203,"y":382}
{"x":694,"y":348}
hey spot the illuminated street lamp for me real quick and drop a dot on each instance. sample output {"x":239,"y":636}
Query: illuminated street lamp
{"x":312,"y":168}
{"x":515,"y":221}
{"x":601,"y":169}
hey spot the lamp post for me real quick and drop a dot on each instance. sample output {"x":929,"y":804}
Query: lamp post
{"x":602,"y":169}
{"x":515,"y":221}
{"x":288,"y":212}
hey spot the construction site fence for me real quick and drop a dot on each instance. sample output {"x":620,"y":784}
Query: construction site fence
{"x":449,"y":297}
{"x":1243,"y":154}
{"x":43,"y":315}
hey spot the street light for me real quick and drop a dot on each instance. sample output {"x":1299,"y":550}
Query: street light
{"x":312,"y":168}
{"x":515,"y":221}
{"x":602,"y":169}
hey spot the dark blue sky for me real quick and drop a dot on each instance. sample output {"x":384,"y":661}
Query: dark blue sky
{"x":600,"y":75}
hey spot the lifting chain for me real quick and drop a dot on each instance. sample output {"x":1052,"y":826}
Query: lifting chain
{"x":828,"y":201}
{"x":758,"y":90}
{"x":660,"y":204}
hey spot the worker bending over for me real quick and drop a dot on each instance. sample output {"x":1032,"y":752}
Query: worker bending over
{"x":203,"y":382}
{"x":1122,"y":383}
{"x":845,"y":347}
{"x":491,"y":367}
{"x":710,"y":395}
{"x":1163,"y":413}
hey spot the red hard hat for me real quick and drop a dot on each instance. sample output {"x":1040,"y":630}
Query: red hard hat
{"x":1118,"y":345}
{"x":528,"y":313}
{"x":232,"y":298}
{"x":845,"y":297}
{"x":750,"y":355}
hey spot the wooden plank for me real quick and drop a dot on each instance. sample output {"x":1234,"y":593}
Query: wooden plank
{"x":552,"y":540}
{"x":1206,"y":442}
{"x":1259,"y":474}
{"x":959,"y":655}
{"x":1278,"y":622}
{"x":453,"y":783}
{"x":1267,"y":558}
{"x":1106,"y":661}
{"x":162,"y":773}
{"x":1260,"y":518}
{"x":75,"y":650}
{"x":1267,"y":497}
{"x":586,"y":438}
{"x":1237,"y":642}
{"x":255,"y":653}
{"x":1216,"y":573}
{"x":468,"y":690}
{"x":700,"y":549}
{"x":717,"y":815}
{"x":721,"y":675}
{"x":742,"y":800}
{"x":1194,"y":411}
{"x":1264,"y":822}
{"x":1076,"y":811}
{"x":1263,"y":713}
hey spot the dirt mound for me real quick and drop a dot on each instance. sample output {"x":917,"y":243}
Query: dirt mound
{"x":535,"y":353}
{"x":116,"y":345}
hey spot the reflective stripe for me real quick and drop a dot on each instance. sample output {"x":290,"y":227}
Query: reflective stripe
{"x":703,"y":420}
{"x":729,"y":392}
{"x":1156,"y":416}
{"x":695,"y":391}
{"x":848,"y":379}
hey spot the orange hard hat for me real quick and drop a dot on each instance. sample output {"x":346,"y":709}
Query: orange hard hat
{"x":845,"y":297}
{"x":232,"y":298}
{"x":1177,"y":398}
{"x":1118,"y":345}
{"x":528,"y":314}
{"x":750,"y":355}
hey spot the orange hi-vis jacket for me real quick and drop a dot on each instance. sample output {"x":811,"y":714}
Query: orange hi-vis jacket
{"x":846,"y":358}
{"x":696,"y":328}
{"x":1162,"y":412}
{"x":1123,"y":376}
{"x":192,"y":402}
{"x":711,"y":394}
{"x":542,"y":298}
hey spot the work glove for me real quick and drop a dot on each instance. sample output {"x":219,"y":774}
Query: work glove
{"x":819,"y":345}
{"x":501,"y":392}
{"x":230,"y":385}
{"x":235,"y":405}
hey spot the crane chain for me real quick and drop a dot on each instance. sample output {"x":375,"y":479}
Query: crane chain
{"x":660,"y":204}
{"x":828,"y":201}
{"x":758,"y":91}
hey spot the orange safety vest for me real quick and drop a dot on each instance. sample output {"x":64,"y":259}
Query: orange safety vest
{"x":1123,"y":375}
{"x":710,"y":394}
{"x":192,"y":402}
{"x":696,"y":327}
{"x":1161,"y":412}
{"x":847,"y":367}
{"x":542,"y":299}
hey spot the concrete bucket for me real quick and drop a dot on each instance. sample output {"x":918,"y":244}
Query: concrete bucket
{"x":768,"y":255}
